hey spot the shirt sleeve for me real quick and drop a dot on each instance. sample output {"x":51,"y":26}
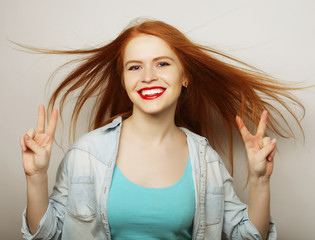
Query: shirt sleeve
{"x":237,"y":224}
{"x":51,"y":224}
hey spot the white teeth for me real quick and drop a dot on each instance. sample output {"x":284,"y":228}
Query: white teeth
{"x":151,"y":91}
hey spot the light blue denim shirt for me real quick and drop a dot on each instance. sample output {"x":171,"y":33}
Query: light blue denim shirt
{"x":78,"y":205}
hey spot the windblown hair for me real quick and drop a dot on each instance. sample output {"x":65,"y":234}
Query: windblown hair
{"x":217,"y":91}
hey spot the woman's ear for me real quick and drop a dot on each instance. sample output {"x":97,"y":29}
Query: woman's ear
{"x":185,"y":80}
{"x":185,"y":83}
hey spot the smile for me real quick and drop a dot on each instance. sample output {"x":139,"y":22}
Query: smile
{"x":151,"y":93}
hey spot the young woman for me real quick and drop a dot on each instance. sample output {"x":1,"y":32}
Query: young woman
{"x":147,"y":170}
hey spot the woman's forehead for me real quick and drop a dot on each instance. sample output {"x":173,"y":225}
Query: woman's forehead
{"x":146,"y":46}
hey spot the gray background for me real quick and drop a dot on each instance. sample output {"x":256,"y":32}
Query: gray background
{"x":276,"y":36}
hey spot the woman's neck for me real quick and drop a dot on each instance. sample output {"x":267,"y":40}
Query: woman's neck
{"x":151,"y":128}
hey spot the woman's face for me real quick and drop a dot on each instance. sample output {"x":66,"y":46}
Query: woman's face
{"x":153,"y":75}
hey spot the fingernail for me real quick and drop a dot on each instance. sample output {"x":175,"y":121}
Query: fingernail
{"x":273,"y":142}
{"x":27,"y":137}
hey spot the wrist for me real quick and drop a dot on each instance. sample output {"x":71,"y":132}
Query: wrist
{"x":259,"y":181}
{"x":38,"y":178}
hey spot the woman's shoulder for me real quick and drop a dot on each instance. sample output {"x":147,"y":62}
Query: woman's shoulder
{"x":99,"y":142}
{"x":194,"y":136}
{"x":100,"y":134}
{"x":210,"y":154}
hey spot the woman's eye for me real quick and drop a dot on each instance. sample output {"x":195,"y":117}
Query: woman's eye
{"x":162,"y":64}
{"x":134,"y":68}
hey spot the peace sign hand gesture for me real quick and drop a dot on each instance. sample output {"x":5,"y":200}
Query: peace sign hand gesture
{"x":36,"y":146}
{"x":260,"y":150}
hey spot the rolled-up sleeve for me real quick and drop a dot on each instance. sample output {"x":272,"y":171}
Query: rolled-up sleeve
{"x":237,"y":224}
{"x":51,"y":224}
{"x":46,"y":227}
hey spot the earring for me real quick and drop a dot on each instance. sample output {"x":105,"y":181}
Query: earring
{"x":185,"y":84}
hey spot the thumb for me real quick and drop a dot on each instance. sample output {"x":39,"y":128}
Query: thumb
{"x":269,"y":147}
{"x":32,"y":145}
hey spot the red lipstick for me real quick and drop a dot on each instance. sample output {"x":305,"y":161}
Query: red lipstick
{"x":151,"y":93}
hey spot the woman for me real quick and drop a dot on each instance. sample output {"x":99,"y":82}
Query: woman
{"x":147,"y":171}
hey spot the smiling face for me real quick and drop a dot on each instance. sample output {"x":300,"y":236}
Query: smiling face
{"x":153,"y":75}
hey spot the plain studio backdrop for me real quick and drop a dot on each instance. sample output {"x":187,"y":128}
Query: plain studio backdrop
{"x":276,"y":36}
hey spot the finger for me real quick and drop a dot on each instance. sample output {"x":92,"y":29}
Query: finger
{"x":22,"y":143}
{"x":242,"y":128}
{"x":52,"y":123}
{"x":267,"y":149}
{"x":31,"y":144}
{"x":31,"y":133}
{"x":41,"y":119}
{"x":261,"y":130}
{"x":266,"y":140}
{"x":273,"y":153}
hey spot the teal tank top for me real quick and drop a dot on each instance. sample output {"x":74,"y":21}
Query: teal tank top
{"x":137,"y":212}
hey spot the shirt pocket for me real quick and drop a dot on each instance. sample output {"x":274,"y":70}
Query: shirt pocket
{"x":81,"y":199}
{"x":214,"y":204}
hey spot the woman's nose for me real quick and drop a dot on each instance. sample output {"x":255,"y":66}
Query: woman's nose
{"x":149,"y":74}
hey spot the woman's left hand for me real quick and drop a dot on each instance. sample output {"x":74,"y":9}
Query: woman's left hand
{"x":260,"y":150}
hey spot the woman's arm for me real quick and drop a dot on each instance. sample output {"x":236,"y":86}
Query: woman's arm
{"x":259,"y":206}
{"x":37,"y":200}
{"x":36,"y":150}
{"x":260,"y":153}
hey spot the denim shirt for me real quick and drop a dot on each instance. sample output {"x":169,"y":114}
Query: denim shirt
{"x":78,"y":205}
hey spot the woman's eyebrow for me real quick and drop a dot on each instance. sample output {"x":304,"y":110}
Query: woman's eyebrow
{"x":155,"y":59}
{"x":162,"y":57}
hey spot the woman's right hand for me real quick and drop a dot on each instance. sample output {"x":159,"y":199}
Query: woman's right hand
{"x":36,"y":146}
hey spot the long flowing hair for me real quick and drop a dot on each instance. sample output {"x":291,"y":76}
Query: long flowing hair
{"x":217,"y":90}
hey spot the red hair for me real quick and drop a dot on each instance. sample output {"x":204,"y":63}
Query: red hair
{"x":216,"y":93}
